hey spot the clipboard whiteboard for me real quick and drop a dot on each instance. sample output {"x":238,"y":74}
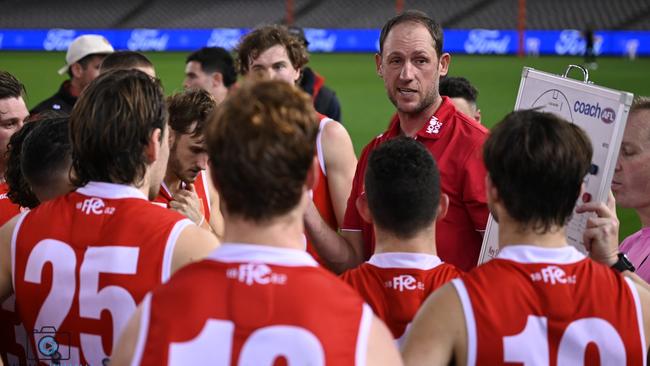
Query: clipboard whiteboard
{"x":600,"y":111}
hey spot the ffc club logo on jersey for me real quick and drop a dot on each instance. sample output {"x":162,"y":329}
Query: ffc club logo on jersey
{"x":94,"y":206}
{"x":252,"y":273}
{"x":403,"y":283}
{"x":553,"y":275}
{"x":434,"y":126}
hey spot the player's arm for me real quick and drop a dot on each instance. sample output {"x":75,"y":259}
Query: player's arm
{"x":340,"y":164}
{"x":438,"y":333}
{"x":193,"y":244}
{"x":340,"y":252}
{"x":6,"y":232}
{"x":381,"y":345}
{"x":125,"y":349}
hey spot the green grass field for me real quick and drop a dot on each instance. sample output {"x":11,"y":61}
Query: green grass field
{"x":366,"y":109}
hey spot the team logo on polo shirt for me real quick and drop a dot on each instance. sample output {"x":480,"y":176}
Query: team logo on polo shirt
{"x":434,"y":125}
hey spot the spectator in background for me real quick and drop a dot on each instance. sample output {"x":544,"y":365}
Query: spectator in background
{"x":126,"y":60}
{"x":590,"y":53}
{"x":462,"y":93}
{"x":631,"y":182}
{"x":325,"y":99}
{"x":83,"y":59}
{"x":211,"y":69}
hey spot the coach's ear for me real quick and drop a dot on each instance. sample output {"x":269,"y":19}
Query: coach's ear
{"x":362,"y":207}
{"x":152,"y":151}
{"x":443,"y":66}
{"x":443,"y":205}
{"x":378,"y":64}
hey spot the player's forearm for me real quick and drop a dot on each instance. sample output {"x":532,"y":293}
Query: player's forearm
{"x":338,"y":254}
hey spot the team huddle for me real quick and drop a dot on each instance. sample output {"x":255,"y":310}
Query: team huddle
{"x":231,"y":223}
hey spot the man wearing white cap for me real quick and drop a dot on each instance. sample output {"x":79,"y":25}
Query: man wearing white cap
{"x":83,"y":59}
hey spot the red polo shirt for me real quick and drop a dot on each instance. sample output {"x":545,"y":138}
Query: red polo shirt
{"x":456,"y":142}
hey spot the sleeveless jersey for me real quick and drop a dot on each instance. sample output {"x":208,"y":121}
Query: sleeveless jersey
{"x":83,"y":261}
{"x":251,"y":305}
{"x":543,"y":306}
{"x":321,"y":193}
{"x":13,"y":339}
{"x":201,"y":185}
{"x":396,"y":284}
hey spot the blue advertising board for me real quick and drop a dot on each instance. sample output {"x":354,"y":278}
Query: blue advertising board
{"x":472,"y":41}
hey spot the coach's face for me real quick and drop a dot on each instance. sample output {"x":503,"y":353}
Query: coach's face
{"x":411,"y":68}
{"x":631,"y":182}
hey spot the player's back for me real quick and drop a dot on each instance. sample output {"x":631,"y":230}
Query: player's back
{"x":541,"y":306}
{"x":82,"y":262}
{"x":396,"y":284}
{"x":252,"y":304}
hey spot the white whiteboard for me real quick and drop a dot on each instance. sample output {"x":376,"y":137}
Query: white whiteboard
{"x":601,"y":112}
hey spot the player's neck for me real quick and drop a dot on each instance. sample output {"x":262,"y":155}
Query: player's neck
{"x":285,"y":231}
{"x":513,"y":233}
{"x":411,"y":123}
{"x":172,"y":182}
{"x":423,"y":242}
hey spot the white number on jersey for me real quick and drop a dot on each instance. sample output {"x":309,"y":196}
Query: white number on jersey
{"x":213,"y":346}
{"x":530,"y":347}
{"x":92,"y":300}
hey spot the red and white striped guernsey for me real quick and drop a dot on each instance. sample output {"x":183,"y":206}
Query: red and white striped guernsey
{"x":550,"y":306}
{"x":253,"y":305}
{"x":201,"y":185}
{"x":81,"y":264}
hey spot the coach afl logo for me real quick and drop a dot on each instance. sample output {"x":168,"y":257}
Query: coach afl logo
{"x":608,"y":115}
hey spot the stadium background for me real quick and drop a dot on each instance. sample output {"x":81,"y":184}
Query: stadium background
{"x":365,"y":107}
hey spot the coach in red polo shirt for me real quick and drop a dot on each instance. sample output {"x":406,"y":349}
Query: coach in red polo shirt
{"x":411,"y":62}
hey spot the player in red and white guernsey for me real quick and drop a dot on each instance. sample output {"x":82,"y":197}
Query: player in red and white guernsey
{"x":259,"y":298}
{"x":79,"y":264}
{"x":271,"y":52}
{"x":541,"y":301}
{"x":403,"y":201}
{"x":186,"y":187}
{"x":13,"y":113}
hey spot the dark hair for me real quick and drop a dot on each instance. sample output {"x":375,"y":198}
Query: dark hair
{"x":640,"y":103}
{"x":261,"y":144}
{"x":402,"y":185}
{"x":261,"y":39}
{"x":125,"y":60}
{"x":84,"y":61}
{"x":19,"y":192}
{"x":188,"y":107}
{"x":10,"y":87}
{"x":458,"y":87}
{"x":414,"y":16}
{"x":111,"y":124}
{"x":216,"y":59}
{"x":537,"y":161}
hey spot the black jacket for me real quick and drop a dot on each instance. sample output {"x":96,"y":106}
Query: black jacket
{"x":325,"y":100}
{"x":61,"y":101}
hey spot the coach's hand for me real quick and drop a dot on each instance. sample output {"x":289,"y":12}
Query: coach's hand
{"x":601,"y":235}
{"x":188,"y":204}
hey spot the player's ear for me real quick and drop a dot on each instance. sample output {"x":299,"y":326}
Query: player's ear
{"x":443,"y":205}
{"x":217,"y":78}
{"x":477,"y":115}
{"x":362,"y":207}
{"x":312,"y":174}
{"x":152,"y":150}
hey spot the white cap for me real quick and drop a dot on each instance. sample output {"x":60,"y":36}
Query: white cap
{"x":83,"y":46}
